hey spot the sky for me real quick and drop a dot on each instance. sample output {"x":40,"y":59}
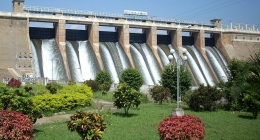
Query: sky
{"x":230,"y":11}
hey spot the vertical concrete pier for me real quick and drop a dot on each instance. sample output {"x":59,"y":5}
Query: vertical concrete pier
{"x":176,"y":39}
{"x":151,"y":40}
{"x":60,"y":37}
{"x":199,"y":42}
{"x":124,"y":37}
{"x":93,"y":38}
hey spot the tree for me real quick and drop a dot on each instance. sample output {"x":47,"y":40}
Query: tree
{"x":126,"y":97}
{"x":252,"y":91}
{"x":242,"y":90}
{"x":132,"y":77}
{"x":169,"y":80}
{"x":160,"y":94}
{"x":233,"y":89}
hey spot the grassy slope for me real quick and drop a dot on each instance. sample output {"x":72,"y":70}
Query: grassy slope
{"x":142,"y":124}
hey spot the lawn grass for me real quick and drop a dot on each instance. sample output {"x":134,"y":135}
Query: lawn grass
{"x":107,"y":97}
{"x":141,"y":124}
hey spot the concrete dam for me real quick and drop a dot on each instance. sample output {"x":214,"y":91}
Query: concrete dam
{"x":62,"y":54}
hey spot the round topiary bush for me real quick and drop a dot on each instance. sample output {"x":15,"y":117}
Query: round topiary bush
{"x":15,"y":126}
{"x":102,"y":77}
{"x":132,"y":77}
{"x":90,"y":126}
{"x":185,"y":127}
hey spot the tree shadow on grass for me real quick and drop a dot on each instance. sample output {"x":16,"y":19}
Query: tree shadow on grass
{"x":246,"y":117}
{"x":36,"y":131}
{"x":120,"y":114}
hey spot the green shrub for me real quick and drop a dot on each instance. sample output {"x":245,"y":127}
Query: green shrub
{"x":90,"y":126}
{"x":39,"y":89}
{"x":102,"y":77}
{"x":50,"y":103}
{"x":160,"y":94}
{"x":72,"y":83}
{"x":105,"y":86}
{"x":185,"y":127}
{"x":82,"y":89}
{"x":15,"y":126}
{"x":18,"y":100}
{"x":93,"y":84}
{"x":126,"y":97}
{"x":169,"y":80}
{"x":14,"y":83}
{"x":53,"y":87}
{"x":132,"y":77}
{"x":204,"y":98}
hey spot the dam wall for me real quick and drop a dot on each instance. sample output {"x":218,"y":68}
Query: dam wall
{"x":15,"y":45}
{"x":15,"y":38}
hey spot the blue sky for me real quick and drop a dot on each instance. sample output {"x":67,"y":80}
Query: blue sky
{"x":235,"y":11}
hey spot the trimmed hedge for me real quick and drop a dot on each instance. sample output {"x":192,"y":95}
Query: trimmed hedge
{"x":58,"y":102}
{"x":82,"y":89}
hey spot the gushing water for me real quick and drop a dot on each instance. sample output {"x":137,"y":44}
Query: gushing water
{"x":216,"y":66}
{"x":203,"y":65}
{"x":108,"y":62}
{"x":163,"y":57}
{"x":124,"y":59}
{"x":88,"y":62}
{"x":36,"y":61}
{"x":195,"y":69}
{"x":75,"y":69}
{"x":52,"y":62}
{"x":141,"y":66}
{"x":152,"y":63}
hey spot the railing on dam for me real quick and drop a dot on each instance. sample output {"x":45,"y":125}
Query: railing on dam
{"x":82,"y":13}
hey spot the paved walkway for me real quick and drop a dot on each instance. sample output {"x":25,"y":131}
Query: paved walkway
{"x":97,"y":105}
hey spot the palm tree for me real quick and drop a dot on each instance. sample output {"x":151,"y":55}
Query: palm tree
{"x":252,"y":90}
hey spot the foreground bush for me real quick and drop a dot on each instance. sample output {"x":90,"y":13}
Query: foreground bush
{"x":132,"y":77}
{"x":90,"y":126}
{"x":50,"y":103}
{"x":185,"y":127}
{"x":204,"y":98}
{"x":160,"y":94}
{"x":15,"y":126}
{"x":18,"y":100}
{"x":126,"y":97}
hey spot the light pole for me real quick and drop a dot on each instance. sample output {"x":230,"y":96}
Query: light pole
{"x":180,"y":60}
